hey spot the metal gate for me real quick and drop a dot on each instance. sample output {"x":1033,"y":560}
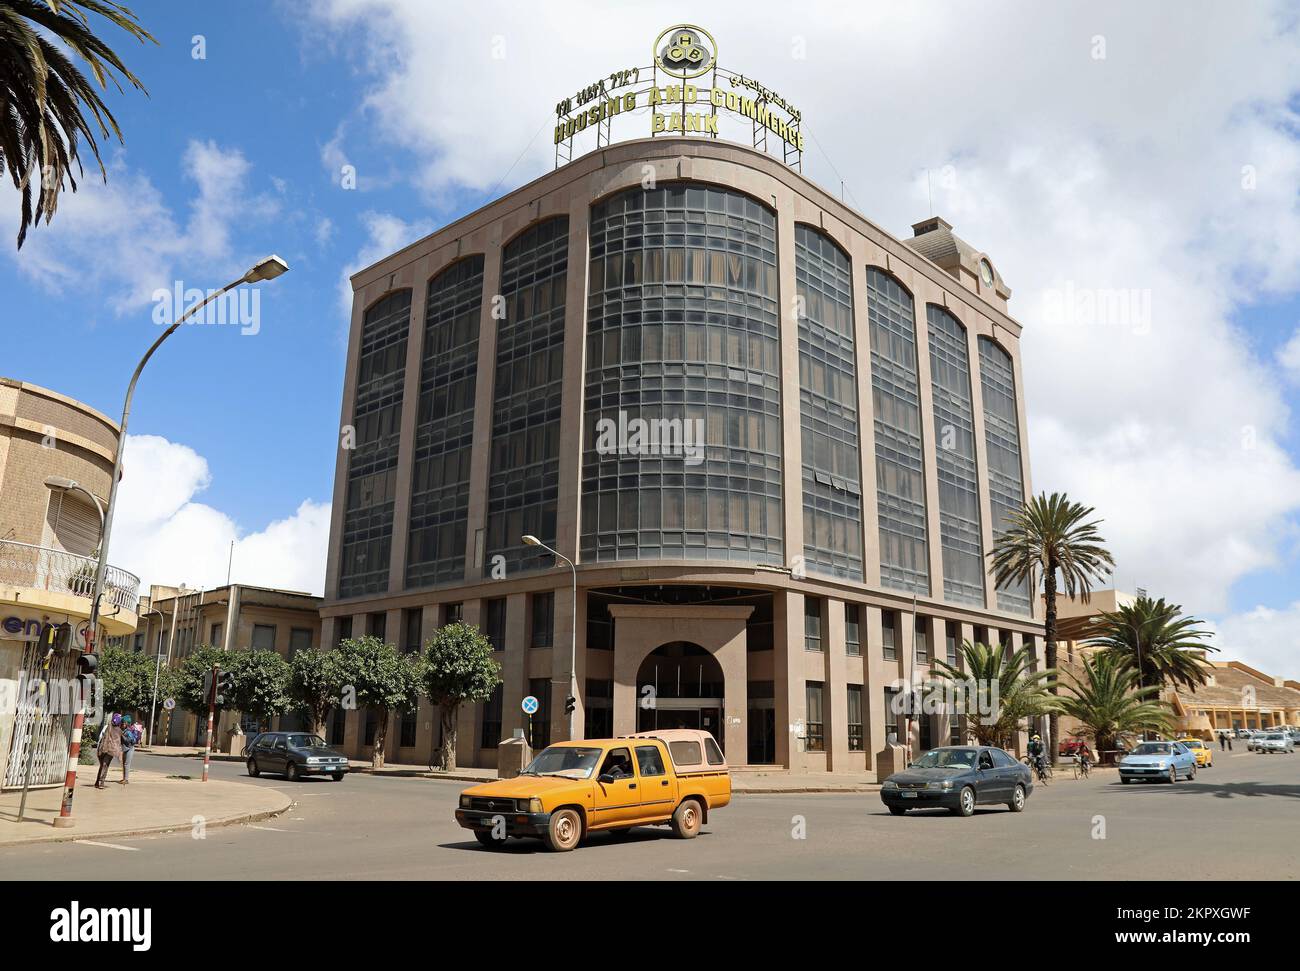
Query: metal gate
{"x":48,"y":733}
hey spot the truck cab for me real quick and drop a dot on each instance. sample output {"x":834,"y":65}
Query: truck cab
{"x":668,"y":778}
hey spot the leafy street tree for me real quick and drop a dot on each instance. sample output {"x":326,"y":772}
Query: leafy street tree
{"x":458,"y":668}
{"x":190,"y":675}
{"x":314,"y":682}
{"x":1155,"y":641}
{"x":49,"y":105}
{"x":1051,"y":535}
{"x":128,"y":680}
{"x":1022,"y":694}
{"x":380,"y":678}
{"x":260,"y":684}
{"x":1108,"y":705}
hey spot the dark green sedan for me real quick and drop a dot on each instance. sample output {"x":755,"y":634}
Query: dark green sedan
{"x":959,"y":778}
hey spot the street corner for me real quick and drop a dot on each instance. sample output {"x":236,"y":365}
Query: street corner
{"x":152,"y":802}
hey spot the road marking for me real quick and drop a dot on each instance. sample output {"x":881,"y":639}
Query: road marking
{"x":671,"y":870}
{"x":267,"y":829}
{"x":111,"y":846}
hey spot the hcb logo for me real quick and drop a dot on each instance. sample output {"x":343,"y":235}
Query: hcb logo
{"x":685,"y":51}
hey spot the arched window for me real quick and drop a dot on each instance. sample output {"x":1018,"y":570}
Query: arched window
{"x":900,"y":477}
{"x":682,"y":417}
{"x":444,"y":430}
{"x":372,"y":471}
{"x":828,"y":407}
{"x":1002,"y":445}
{"x":954,"y":437}
{"x":523,"y":486}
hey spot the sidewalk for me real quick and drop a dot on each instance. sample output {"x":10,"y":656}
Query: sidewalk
{"x":745,"y":780}
{"x":152,"y":803}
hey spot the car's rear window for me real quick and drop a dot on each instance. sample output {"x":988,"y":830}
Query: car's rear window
{"x":685,"y":753}
{"x":714,"y":753}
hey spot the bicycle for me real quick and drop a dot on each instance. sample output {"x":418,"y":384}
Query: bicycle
{"x":1040,"y":767}
{"x":1081,"y":767}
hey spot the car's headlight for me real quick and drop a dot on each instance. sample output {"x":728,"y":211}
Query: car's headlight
{"x":889,"y":784}
{"x":947,"y":783}
{"x":534,"y":805}
{"x":464,"y":802}
{"x":1162,"y":764}
{"x":313,"y":760}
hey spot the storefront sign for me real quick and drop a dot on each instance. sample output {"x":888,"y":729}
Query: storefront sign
{"x":694,"y":90}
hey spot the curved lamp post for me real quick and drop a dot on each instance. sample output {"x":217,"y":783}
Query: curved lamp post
{"x":531,"y":540}
{"x":266,"y":269}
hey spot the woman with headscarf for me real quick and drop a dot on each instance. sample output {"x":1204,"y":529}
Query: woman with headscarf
{"x":130,"y":739}
{"x":109,"y":748}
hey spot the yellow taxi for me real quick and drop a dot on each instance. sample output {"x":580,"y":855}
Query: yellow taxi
{"x":1204,"y":754}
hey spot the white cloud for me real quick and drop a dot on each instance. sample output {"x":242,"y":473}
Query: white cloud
{"x":385,"y":234}
{"x":164,"y":535}
{"x":1265,"y":638}
{"x":1289,"y":358}
{"x":120,"y":238}
{"x":1167,"y":168}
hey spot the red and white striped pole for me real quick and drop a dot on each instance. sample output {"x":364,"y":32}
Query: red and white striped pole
{"x":212,"y":705}
{"x":64,"y":819}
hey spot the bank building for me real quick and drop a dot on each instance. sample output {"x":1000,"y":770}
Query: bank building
{"x":775,"y":441}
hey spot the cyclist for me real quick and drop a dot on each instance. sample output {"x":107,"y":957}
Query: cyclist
{"x":1083,"y":755}
{"x":1035,"y":750}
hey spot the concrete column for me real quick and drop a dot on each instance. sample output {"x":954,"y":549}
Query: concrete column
{"x":906,"y":631}
{"x":791,"y":435}
{"x":788,"y":677}
{"x":561,"y":657}
{"x":343,"y":457}
{"x":571,"y":419}
{"x":866,"y":423}
{"x":836,"y":700}
{"x":514,"y":660}
{"x":931,"y":470}
{"x":987,"y":526}
{"x":873,"y":691}
{"x":394,"y":632}
{"x":481,"y":456}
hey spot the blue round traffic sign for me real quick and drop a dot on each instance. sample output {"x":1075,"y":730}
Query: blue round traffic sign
{"x":530,"y":705}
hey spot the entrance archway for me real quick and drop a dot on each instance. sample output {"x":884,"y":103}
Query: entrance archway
{"x":681,"y":685}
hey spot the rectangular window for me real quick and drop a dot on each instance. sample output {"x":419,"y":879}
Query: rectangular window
{"x":950,"y":641}
{"x":852,"y":630}
{"x":412,"y":626}
{"x":338,"y":725}
{"x":214,"y":638}
{"x":600,"y":708}
{"x":452,"y":613}
{"x":888,"y":634}
{"x":543,"y":619}
{"x":922,"y":637}
{"x":891,"y":716}
{"x":491,"y":736}
{"x":855,"y":718}
{"x":407,"y":729}
{"x":345,"y":630}
{"x":496,"y":623}
{"x":814,"y":732}
{"x":377,"y":625}
{"x":540,"y":721}
{"x":812,"y":623}
{"x":372,"y":726}
{"x":299,"y":640}
{"x":264,"y":637}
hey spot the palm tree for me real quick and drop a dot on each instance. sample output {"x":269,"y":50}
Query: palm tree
{"x":1107,"y":704}
{"x":1022,"y":694}
{"x":45,"y":98}
{"x":1155,"y":641}
{"x":1051,"y":535}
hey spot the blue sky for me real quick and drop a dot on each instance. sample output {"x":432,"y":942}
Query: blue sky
{"x":1124,"y":170}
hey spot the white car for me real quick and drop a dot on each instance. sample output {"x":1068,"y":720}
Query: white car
{"x":1274,"y":742}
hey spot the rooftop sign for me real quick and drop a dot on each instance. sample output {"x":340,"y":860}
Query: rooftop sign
{"x":681,"y":92}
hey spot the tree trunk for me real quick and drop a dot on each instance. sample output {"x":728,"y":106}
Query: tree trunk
{"x":447,"y":715}
{"x":1049,"y":645}
{"x":381,"y":732}
{"x":318,"y":722}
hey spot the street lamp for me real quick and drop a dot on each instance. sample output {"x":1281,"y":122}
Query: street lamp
{"x":571,"y":701}
{"x":265,"y":269}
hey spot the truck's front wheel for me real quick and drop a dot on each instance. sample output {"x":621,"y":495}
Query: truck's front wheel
{"x":686,"y":820}
{"x":564,"y":831}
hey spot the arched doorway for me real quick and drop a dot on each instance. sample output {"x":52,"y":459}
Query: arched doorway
{"x":681,"y":685}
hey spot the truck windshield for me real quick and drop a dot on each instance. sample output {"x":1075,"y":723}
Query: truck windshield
{"x":565,"y":760}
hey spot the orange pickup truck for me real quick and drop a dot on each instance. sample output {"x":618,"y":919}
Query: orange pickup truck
{"x":672,"y":778}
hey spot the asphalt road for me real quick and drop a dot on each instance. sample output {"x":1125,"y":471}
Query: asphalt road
{"x":1236,"y":821}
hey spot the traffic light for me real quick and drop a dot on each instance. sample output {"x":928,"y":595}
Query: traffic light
{"x":61,"y":635}
{"x":225,"y":686}
{"x":88,"y":664}
{"x":570,"y":704}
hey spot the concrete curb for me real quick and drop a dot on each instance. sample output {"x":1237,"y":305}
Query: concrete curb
{"x":70,"y":835}
{"x":804,"y":789}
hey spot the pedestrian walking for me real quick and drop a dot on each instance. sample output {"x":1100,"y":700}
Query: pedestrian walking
{"x":108,"y":748}
{"x":130,"y":739}
{"x":1223,"y":741}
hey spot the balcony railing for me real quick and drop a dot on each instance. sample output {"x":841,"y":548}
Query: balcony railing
{"x":57,"y":571}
